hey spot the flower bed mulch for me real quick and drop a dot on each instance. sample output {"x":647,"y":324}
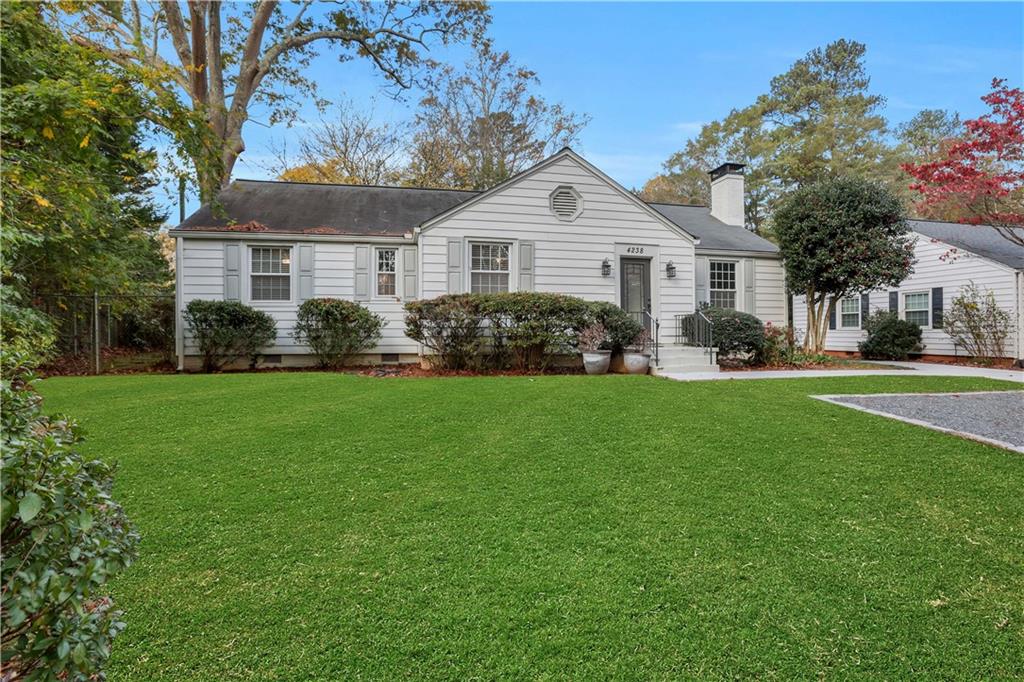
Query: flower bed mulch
{"x":112,"y":361}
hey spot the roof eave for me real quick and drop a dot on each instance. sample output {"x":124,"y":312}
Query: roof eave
{"x":406,"y":238}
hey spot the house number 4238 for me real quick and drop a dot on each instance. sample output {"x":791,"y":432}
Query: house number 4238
{"x":634,"y":249}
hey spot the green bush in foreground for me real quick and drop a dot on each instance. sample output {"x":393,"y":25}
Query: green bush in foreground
{"x":63,"y":539}
{"x":889,"y":337}
{"x":524,"y":329}
{"x":227,"y":330}
{"x":335,"y":329}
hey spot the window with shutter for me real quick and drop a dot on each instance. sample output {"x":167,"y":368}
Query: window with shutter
{"x":270,"y":273}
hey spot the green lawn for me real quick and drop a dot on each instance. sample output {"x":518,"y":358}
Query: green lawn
{"x":325,"y":526}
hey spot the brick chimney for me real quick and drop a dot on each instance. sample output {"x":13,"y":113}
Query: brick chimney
{"x":727,"y":194}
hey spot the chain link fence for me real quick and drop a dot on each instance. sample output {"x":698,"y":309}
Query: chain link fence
{"x":99,"y":334}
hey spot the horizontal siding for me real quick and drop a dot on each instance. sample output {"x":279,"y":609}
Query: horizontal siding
{"x":203,"y":278}
{"x":568,"y":254}
{"x":770,"y":291}
{"x":931,"y":271}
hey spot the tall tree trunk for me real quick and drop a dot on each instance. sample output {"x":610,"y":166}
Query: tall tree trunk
{"x":819,"y":309}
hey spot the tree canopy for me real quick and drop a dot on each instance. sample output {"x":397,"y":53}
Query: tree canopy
{"x":819,"y":119}
{"x":979,"y":178}
{"x":481,"y":125}
{"x":205,"y":65}
{"x":841,"y":236}
{"x":75,"y":213}
{"x":473,"y":129}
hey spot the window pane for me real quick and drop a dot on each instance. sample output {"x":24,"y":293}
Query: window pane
{"x":385,"y":284}
{"x":722,"y":276}
{"x":915,"y":308}
{"x":387,"y":267}
{"x":386,"y":259}
{"x":271,"y":260}
{"x":723,"y":299}
{"x":489,"y":257}
{"x":851,"y":305}
{"x":916,"y":301}
{"x":271,"y":287}
{"x":918,"y":317}
{"x":488,"y":283}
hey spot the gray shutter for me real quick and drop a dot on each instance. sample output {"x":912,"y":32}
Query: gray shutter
{"x":526,"y":253}
{"x":701,"y":280}
{"x":305,"y":272}
{"x":865,"y":308}
{"x":749,"y":300}
{"x":937,"y":308}
{"x":454,"y":266}
{"x":894,"y":302}
{"x":232,"y":272}
{"x":832,"y":312}
{"x":410,"y":267}
{"x":362,"y":272}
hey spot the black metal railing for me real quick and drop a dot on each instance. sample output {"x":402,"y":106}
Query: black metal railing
{"x":696,"y":329}
{"x":656,"y":332}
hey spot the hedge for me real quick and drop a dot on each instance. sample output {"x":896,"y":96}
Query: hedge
{"x":228,"y":330}
{"x":526,"y":330}
{"x":335,"y":329}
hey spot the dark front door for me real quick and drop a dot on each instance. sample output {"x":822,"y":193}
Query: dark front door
{"x":636,"y":289}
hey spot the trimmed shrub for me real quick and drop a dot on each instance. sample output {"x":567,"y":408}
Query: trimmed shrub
{"x":889,"y":337}
{"x":533,"y":327}
{"x":64,"y":538}
{"x":733,"y":333}
{"x":228,"y":330}
{"x":335,"y":329}
{"x":449,"y":325}
{"x":736,"y":333}
{"x":621,"y":328}
{"x":524,"y":329}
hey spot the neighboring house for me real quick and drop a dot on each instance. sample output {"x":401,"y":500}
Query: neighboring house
{"x":562,"y":226}
{"x":949,"y":256}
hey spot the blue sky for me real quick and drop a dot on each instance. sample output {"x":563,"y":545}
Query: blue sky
{"x":649,"y":74}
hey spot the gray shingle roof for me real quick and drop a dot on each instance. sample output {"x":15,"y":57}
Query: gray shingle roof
{"x":983,"y":240}
{"x":714,"y":235}
{"x":301,"y":208}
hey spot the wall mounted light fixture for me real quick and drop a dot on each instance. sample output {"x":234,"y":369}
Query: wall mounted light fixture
{"x":670,"y":270}
{"x":606,"y":267}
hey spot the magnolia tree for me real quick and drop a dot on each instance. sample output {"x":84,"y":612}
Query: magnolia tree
{"x":839,"y":237}
{"x":980,"y":178}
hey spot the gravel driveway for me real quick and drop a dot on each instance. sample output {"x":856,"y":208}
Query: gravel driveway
{"x":995,"y":417}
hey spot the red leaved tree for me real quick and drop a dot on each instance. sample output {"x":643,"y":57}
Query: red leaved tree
{"x":980,"y":180}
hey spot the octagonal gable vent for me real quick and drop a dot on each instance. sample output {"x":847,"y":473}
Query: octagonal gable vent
{"x":566,"y":203}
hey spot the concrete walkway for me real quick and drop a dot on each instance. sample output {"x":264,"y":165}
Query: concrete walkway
{"x":898,"y":369}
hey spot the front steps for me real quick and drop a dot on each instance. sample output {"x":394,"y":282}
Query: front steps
{"x":673,"y":359}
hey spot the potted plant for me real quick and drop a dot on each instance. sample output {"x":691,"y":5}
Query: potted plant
{"x":635,"y":358}
{"x":590,"y":340}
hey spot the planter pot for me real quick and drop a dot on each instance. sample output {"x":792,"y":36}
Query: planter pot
{"x":636,"y":363}
{"x":596,"y":362}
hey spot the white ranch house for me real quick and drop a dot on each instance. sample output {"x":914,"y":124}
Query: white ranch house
{"x":949,"y":256}
{"x":562,"y":226}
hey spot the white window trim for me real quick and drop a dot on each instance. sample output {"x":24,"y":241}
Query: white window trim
{"x":737,"y":285}
{"x":398,"y":268}
{"x":840,"y":313}
{"x":927,"y":310}
{"x":292,"y":269}
{"x":513,"y":261}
